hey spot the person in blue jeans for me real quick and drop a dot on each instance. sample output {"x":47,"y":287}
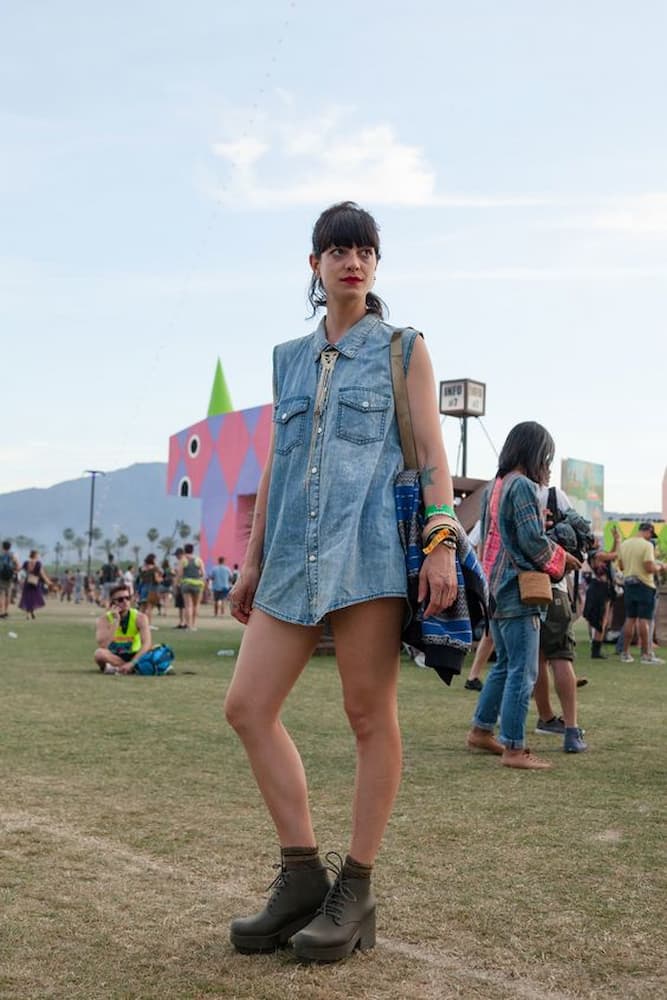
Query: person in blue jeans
{"x":513,"y":541}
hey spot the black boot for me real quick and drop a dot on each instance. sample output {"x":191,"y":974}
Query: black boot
{"x":296,"y":895}
{"x":345,"y":921}
{"x":596,"y":650}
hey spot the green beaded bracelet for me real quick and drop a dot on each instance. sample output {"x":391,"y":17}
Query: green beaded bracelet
{"x":443,"y":508}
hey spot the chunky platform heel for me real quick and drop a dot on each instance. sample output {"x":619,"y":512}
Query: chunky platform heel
{"x":345,"y":921}
{"x":296,"y":896}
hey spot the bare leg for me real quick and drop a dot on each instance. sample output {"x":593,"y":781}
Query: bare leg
{"x":482,"y":654}
{"x":628,"y":630}
{"x":367,"y":640}
{"x":252,"y":707}
{"x":541,"y":691}
{"x":103,"y":656}
{"x":643,"y":633}
{"x":565,"y":681}
{"x":195,"y":609}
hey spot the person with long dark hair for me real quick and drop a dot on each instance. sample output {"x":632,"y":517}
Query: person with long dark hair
{"x":324,"y":545}
{"x":514,"y":540}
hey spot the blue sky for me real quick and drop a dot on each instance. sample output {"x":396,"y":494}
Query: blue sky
{"x":161,"y":166}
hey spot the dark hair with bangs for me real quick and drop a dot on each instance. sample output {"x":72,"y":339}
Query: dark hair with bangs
{"x":529,"y":446}
{"x":344,"y":225}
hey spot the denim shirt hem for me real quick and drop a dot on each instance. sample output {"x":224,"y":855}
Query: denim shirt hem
{"x":283,"y":616}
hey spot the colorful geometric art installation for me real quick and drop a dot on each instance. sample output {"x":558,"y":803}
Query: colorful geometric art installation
{"x":220,"y":459}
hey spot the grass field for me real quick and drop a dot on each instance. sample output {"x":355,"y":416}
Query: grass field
{"x":132,"y":832}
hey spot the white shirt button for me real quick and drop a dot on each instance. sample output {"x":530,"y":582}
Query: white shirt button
{"x":319,"y":430}
{"x":312,"y":558}
{"x":314,"y":469}
{"x":313,"y":513}
{"x":284,"y":416}
{"x":365,"y":404}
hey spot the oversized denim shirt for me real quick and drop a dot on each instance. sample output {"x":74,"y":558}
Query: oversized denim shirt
{"x":331,"y":538}
{"x":515,"y":540}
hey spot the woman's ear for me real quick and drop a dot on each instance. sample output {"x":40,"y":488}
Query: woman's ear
{"x":314,"y":264}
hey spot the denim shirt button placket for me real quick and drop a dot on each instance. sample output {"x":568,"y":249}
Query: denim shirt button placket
{"x":327,"y":361}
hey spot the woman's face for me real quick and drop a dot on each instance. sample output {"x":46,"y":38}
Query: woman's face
{"x":347,"y":273}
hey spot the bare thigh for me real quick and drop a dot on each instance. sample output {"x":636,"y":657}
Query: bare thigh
{"x":368,"y":646}
{"x":273,"y":654}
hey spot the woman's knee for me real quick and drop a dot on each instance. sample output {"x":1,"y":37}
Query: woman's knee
{"x":370,"y":715}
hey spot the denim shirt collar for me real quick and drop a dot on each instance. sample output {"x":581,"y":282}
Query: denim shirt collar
{"x":350,"y":343}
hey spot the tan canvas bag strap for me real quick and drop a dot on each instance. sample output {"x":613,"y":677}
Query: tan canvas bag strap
{"x":401,"y":401}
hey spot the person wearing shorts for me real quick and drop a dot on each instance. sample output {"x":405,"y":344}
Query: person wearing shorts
{"x":557,"y":647}
{"x":637,"y":560}
{"x":221,"y":582}
{"x":123,"y":634}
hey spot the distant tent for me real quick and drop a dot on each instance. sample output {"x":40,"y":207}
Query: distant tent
{"x":221,"y":401}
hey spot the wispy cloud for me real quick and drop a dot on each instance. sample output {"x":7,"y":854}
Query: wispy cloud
{"x":290,"y":162}
{"x":642,"y":214}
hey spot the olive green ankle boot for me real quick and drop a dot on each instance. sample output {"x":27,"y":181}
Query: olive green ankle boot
{"x":345,"y":921}
{"x":296,"y":895}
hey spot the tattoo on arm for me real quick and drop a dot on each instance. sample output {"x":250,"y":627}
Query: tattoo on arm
{"x":426,"y":475}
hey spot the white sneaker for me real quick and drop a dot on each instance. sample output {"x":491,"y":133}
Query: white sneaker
{"x":651,"y":659}
{"x":627,"y":658}
{"x":110,"y":669}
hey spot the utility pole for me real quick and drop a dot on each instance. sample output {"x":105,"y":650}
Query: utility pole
{"x":93,"y":473}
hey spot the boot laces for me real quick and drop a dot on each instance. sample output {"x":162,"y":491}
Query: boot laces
{"x":340,"y":892}
{"x":278,"y":884}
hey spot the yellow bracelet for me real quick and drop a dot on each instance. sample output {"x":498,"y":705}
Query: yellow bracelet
{"x":436,"y":539}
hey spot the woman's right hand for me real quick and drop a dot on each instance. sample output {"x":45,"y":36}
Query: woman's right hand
{"x":242,"y":593}
{"x":571,"y":562}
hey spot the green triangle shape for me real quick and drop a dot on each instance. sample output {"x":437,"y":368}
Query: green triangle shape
{"x":221,"y":401}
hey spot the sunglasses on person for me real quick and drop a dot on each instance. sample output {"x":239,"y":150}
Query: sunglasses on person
{"x":121,"y":600}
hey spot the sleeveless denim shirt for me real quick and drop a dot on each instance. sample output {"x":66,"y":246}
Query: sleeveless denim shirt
{"x":331,"y":538}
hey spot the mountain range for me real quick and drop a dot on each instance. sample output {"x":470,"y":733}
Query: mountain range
{"x":127,"y":502}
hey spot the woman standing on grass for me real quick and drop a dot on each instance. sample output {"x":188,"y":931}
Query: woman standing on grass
{"x":324,"y":545}
{"x":35,"y":579}
{"x":514,"y":540}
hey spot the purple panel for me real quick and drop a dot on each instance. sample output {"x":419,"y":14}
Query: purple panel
{"x":251,"y":417}
{"x":249,"y":474}
{"x":215,"y":424}
{"x":178,"y":475}
{"x":214,"y":498}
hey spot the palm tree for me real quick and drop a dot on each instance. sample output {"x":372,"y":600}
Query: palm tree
{"x":152,"y":535}
{"x":58,"y":549}
{"x":68,"y":535}
{"x":121,"y":542}
{"x":108,"y":545}
{"x":166,"y":544}
{"x":96,"y":534}
{"x":136,"y":550}
{"x":184,"y":530}
{"x":79,"y":544}
{"x":197,"y":537}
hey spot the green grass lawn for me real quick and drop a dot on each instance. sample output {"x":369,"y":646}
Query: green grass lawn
{"x":132,"y":832}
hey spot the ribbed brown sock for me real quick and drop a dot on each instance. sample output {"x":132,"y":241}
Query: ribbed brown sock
{"x":355,"y":869}
{"x":300,"y":857}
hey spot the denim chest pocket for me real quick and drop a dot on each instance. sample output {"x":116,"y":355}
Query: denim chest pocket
{"x":289,"y":423}
{"x":362,"y":415}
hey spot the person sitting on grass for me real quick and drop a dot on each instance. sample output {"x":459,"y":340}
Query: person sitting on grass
{"x":123,"y":634}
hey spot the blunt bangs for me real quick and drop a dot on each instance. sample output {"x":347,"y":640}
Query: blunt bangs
{"x":345,"y":225}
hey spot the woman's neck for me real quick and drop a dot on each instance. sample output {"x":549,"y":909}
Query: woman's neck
{"x":339,"y":319}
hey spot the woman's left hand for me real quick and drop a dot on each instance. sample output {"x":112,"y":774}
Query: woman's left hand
{"x":437,"y":580}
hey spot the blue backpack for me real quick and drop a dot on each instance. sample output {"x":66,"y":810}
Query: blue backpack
{"x":156,"y":661}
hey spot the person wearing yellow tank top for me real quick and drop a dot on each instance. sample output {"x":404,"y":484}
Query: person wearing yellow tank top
{"x":123,"y":634}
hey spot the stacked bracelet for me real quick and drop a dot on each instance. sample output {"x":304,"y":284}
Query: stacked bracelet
{"x":443,"y":535}
{"x":443,"y":508}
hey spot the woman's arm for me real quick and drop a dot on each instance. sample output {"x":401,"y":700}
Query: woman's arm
{"x":437,"y":578}
{"x":243,"y":591}
{"x":536,"y":548}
